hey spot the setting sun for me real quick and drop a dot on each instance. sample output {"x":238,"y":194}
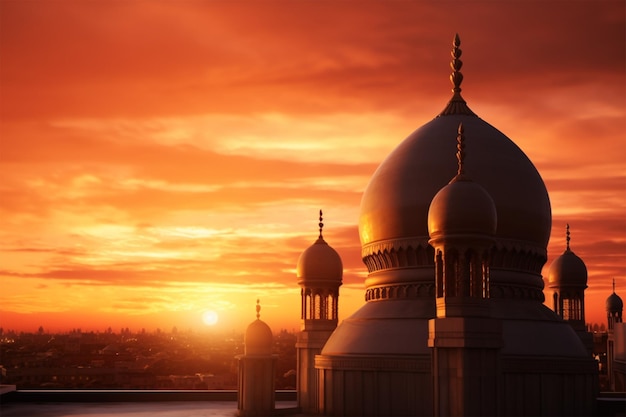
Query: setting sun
{"x":210,"y":318}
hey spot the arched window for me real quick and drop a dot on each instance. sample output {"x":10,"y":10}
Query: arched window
{"x":317,"y":306}
{"x":439,"y":274}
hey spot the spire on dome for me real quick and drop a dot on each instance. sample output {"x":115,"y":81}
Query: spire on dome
{"x":457,"y":104}
{"x":460,"y":153}
{"x":258,"y":309}
{"x":456,"y":77}
{"x":567,"y":238}
{"x":321,"y":225}
{"x":613,"y":285}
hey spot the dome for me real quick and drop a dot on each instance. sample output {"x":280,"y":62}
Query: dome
{"x":462,"y":206}
{"x":319,"y":263}
{"x":258,"y":339}
{"x":394,"y":207}
{"x":567,"y":270}
{"x":395,"y":204}
{"x":614,"y":303}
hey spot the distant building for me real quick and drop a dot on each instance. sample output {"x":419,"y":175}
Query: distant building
{"x":437,"y":296}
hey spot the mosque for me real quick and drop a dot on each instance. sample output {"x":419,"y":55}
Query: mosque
{"x":454,"y":227}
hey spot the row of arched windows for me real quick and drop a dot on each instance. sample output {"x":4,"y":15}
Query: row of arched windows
{"x":569,"y":306}
{"x":465,"y":275}
{"x":320,"y":305}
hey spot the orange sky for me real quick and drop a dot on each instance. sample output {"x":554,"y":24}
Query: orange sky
{"x":164,"y":158}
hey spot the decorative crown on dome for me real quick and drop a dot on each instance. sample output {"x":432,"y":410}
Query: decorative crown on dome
{"x":457,"y":104}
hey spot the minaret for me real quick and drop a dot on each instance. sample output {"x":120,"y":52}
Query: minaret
{"x":466,"y":341}
{"x":319,"y":271}
{"x":568,"y":280}
{"x":257,"y":370}
{"x":614,"y":307}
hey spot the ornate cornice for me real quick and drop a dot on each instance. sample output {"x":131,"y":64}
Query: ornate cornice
{"x":411,"y":252}
{"x":400,"y":291}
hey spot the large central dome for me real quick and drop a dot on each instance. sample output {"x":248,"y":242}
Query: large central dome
{"x":395,"y":203}
{"x":394,"y":206}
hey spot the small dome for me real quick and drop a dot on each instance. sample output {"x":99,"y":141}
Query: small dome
{"x":614,"y":303}
{"x":568,"y":270}
{"x":258,"y":339}
{"x":319,"y":263}
{"x":462,"y":207}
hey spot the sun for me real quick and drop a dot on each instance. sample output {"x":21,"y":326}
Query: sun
{"x":209,"y":318}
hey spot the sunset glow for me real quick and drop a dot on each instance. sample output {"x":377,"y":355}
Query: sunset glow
{"x":161,"y":160}
{"x":210,"y":318}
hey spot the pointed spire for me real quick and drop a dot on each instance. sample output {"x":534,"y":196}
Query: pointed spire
{"x":613,"y":285}
{"x":321,"y":225}
{"x":567,"y":238}
{"x":457,"y":104}
{"x":460,"y":153}
{"x":258,"y":309}
{"x":456,"y":77}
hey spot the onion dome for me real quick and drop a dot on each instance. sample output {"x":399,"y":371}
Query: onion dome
{"x":568,"y":270}
{"x":462,"y":206}
{"x":394,"y":207}
{"x":614,"y":303}
{"x":394,"y":231}
{"x":258,"y":339}
{"x":319,"y":263}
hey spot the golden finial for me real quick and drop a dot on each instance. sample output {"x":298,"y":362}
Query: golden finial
{"x":456,"y":77}
{"x":457,"y":104}
{"x":258,"y":309}
{"x":460,"y":149}
{"x":567,"y":238}
{"x":321,"y":224}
